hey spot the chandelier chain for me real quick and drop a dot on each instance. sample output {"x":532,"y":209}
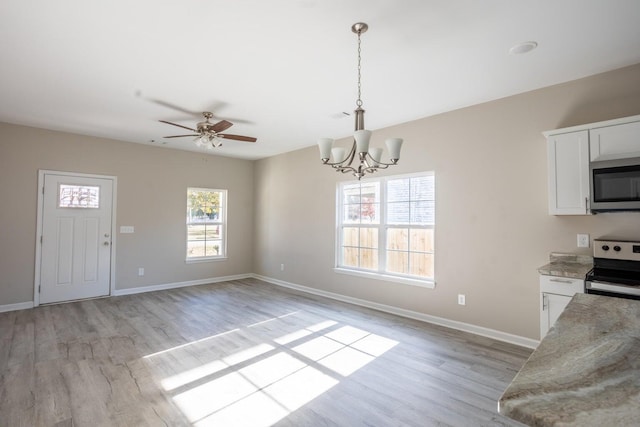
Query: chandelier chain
{"x":359,"y":100}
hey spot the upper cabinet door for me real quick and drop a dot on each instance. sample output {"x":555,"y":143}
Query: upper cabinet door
{"x":615,"y":142}
{"x":568,"y":156}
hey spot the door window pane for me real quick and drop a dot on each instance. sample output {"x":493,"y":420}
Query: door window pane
{"x":78,"y":196}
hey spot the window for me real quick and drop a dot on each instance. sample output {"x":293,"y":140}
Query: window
{"x":386,"y":228}
{"x":206,"y":223}
{"x":78,"y":196}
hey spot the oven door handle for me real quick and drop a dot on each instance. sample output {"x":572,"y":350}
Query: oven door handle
{"x":615,"y":288}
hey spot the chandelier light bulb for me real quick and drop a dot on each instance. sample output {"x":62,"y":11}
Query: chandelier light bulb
{"x":362,"y":138}
{"x":338,"y":154}
{"x":394,"y":145}
{"x":325,"y":147}
{"x":376,"y":154}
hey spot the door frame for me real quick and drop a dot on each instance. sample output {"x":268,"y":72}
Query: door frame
{"x":40,"y":219}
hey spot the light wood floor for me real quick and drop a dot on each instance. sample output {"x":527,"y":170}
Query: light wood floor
{"x":243,"y":353}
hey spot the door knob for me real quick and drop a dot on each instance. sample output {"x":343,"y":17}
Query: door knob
{"x":106,"y":234}
{"x":106,"y":243}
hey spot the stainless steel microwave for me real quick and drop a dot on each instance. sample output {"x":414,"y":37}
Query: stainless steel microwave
{"x":615,"y":185}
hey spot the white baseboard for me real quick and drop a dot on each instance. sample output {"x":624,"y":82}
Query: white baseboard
{"x":453,"y":324}
{"x":461,"y":326}
{"x":14,"y":307}
{"x":141,"y":289}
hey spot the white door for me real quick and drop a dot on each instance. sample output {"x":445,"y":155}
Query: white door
{"x":76,"y":237}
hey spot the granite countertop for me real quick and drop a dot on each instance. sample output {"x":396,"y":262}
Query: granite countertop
{"x":585,"y":372}
{"x":567,"y":265}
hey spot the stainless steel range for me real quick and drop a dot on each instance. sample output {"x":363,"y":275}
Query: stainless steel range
{"x":616,"y":269}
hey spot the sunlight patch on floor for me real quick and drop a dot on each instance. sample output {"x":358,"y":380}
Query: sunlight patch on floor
{"x":301,"y":333}
{"x":346,"y":361}
{"x":178,"y":347}
{"x":261,"y":384}
{"x":191,"y":375}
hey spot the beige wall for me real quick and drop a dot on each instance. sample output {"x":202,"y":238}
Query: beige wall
{"x":492,"y":231}
{"x":151,"y":196}
{"x":492,"y":226}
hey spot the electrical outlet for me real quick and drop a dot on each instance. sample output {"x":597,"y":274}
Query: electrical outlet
{"x":281,"y":267}
{"x":462,"y":299}
{"x":583,"y":240}
{"x":141,"y":271}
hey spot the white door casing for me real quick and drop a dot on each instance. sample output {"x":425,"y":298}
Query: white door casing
{"x":74,"y":256}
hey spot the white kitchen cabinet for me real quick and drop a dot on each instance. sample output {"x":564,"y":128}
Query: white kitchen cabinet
{"x":555,"y":294}
{"x":570,"y":150}
{"x":568,"y":163}
{"x":615,"y":142}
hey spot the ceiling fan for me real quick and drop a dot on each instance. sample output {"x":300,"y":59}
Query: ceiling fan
{"x":208,"y":134}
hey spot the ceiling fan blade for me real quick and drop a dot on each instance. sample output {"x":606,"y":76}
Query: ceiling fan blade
{"x":238,"y":137}
{"x":220,"y":126}
{"x":174,"y":107}
{"x":236,"y":120}
{"x":180,"y":126}
{"x":180,"y":136}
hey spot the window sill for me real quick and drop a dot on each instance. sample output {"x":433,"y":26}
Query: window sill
{"x":430,"y":284}
{"x":207,"y":259}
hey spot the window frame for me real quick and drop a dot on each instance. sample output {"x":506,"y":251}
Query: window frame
{"x":383,"y":226}
{"x":221,"y":222}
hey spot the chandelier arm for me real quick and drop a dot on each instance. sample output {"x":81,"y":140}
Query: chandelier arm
{"x":379,"y":163}
{"x":345,"y":169}
{"x":368,"y":167}
{"x":371,"y":170}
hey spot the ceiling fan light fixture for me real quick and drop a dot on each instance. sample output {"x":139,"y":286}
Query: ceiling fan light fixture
{"x":216,"y":141}
{"x":367,"y":160}
{"x":209,"y":134}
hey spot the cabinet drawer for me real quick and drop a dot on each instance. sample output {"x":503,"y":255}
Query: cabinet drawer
{"x":561,"y":285}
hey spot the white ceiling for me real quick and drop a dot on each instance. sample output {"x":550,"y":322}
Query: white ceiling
{"x":113,"y":68}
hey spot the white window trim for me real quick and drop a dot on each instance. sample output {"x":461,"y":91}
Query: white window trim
{"x":353,"y":271}
{"x":423,"y":283}
{"x":222,"y":222}
{"x":204,"y":259}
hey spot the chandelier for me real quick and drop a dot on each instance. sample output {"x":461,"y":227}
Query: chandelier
{"x":361,"y":159}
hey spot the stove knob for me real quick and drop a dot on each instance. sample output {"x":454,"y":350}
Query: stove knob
{"x":616,"y":248}
{"x":605,"y":247}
